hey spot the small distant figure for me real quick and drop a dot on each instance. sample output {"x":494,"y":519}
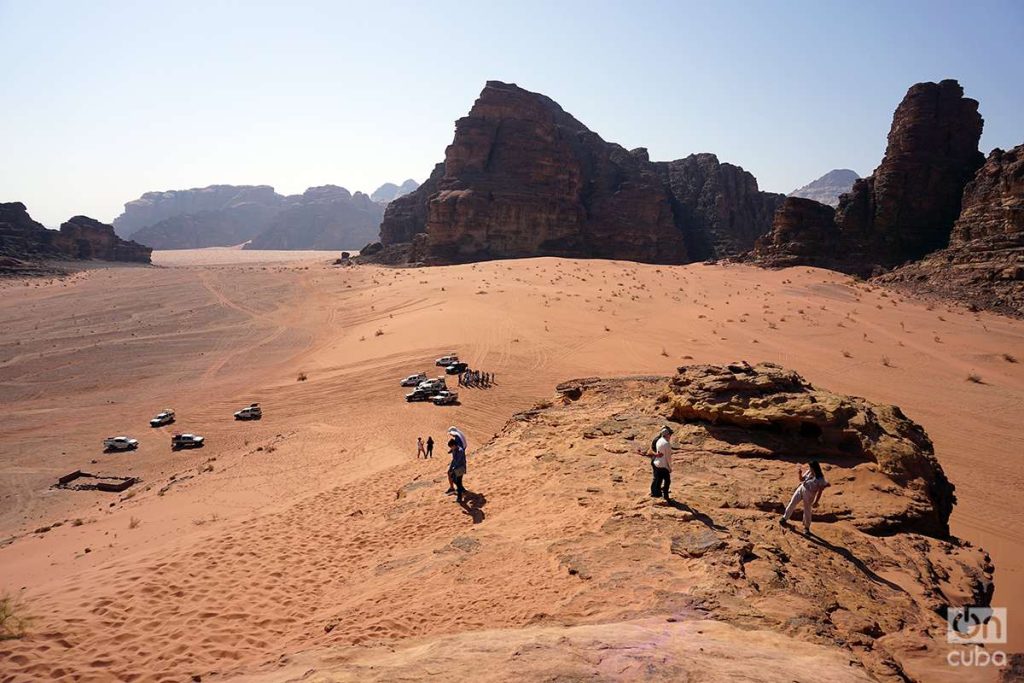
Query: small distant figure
{"x":661,"y":464}
{"x":460,"y":379}
{"x":420,"y":450}
{"x":430,"y":447}
{"x":812,"y":485}
{"x":457,"y":467}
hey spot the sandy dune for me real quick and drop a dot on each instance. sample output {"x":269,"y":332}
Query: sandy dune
{"x":233,"y":560}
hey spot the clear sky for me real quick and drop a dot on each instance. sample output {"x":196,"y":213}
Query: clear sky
{"x":103,"y":101}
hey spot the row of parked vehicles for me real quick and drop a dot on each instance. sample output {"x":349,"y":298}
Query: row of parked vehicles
{"x":435,"y":389}
{"x":179,"y":440}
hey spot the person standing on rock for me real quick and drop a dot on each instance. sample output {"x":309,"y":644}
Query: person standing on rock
{"x":420,"y":450}
{"x":812,"y":484}
{"x":661,"y":464}
{"x":430,"y":447}
{"x":457,"y":467}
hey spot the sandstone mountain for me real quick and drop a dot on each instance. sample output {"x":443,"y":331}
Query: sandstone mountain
{"x":828,"y":188}
{"x":24,"y":243}
{"x":907,"y":207}
{"x":154,"y":207}
{"x":523,"y":177}
{"x":327,"y":217}
{"x":984,"y":263}
{"x":389,"y":192}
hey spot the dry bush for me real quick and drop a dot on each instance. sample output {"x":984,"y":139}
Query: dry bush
{"x":975,"y":378}
{"x":847,"y":354}
{"x":13,"y":624}
{"x":302,"y":377}
{"x":886,"y":362}
{"x":1009,"y":358}
{"x":133,"y":522}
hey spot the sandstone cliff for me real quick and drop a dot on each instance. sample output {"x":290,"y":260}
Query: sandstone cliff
{"x":24,"y":242}
{"x":828,"y":188}
{"x":327,"y":217}
{"x":907,"y":207}
{"x":984,"y":263}
{"x":523,"y":177}
{"x":154,"y":207}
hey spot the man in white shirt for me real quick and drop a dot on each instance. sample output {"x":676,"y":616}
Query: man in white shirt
{"x":661,"y":464}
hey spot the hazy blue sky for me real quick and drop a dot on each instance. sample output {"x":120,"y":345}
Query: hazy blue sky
{"x":106,"y":100}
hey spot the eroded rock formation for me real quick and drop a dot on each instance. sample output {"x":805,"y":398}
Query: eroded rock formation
{"x":907,"y":207}
{"x":327,"y":217}
{"x":24,"y":243}
{"x":984,"y":263}
{"x":524,"y":178}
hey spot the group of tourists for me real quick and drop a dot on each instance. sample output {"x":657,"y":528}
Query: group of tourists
{"x":457,"y":466}
{"x":476,"y":378}
{"x":812,"y":481}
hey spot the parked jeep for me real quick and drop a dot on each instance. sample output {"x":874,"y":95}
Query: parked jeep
{"x":163,"y":418}
{"x":120,"y":443}
{"x":250,"y":412}
{"x":186,"y":441}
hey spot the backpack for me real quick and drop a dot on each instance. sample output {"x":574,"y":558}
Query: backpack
{"x":654,"y":444}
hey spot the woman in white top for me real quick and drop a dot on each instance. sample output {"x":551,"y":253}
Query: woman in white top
{"x":812,"y":484}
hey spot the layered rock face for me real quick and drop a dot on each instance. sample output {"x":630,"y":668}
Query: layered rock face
{"x":524,"y":178}
{"x":327,"y":217}
{"x":154,"y":207}
{"x":803,"y":231}
{"x":828,"y":188}
{"x":388,"y":192}
{"x":908,"y":206}
{"x":983,"y":266}
{"x":718,"y":205}
{"x":23,"y":241}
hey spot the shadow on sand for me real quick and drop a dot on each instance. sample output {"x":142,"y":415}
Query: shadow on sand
{"x":472,"y":504}
{"x":699,"y":516}
{"x":846,"y":554}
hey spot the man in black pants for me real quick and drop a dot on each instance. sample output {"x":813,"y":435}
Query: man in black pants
{"x":661,"y":464}
{"x":430,"y":447}
{"x":457,"y":468}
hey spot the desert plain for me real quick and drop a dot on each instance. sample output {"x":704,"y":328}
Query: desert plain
{"x":315,"y":545}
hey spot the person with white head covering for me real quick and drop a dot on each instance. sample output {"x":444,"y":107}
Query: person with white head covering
{"x":455,"y":433}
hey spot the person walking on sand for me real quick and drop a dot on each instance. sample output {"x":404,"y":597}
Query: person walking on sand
{"x":430,"y":447}
{"x":457,"y":467}
{"x":812,"y":485}
{"x":455,"y":433}
{"x":420,"y":450}
{"x":661,"y":464}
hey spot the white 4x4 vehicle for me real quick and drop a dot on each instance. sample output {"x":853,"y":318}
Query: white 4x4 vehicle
{"x":250,"y":412}
{"x":414,"y":380}
{"x":164,"y":418}
{"x":445,"y":361}
{"x":433,"y":385}
{"x":445,"y":398}
{"x":120,"y":443}
{"x":186,"y":441}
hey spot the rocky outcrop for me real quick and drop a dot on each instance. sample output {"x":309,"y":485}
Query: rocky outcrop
{"x":388,"y":192}
{"x":776,"y":413}
{"x":828,"y":188}
{"x":983,"y":267}
{"x":327,"y":218}
{"x":82,"y":237}
{"x":803,"y":232}
{"x":154,"y":207}
{"x":907,"y":208}
{"x":24,"y":242}
{"x":524,"y":178}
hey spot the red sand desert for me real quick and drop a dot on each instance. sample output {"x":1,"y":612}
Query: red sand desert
{"x":273,"y":552}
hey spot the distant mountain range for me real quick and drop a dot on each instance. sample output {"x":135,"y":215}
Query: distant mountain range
{"x":326,"y":217}
{"x":828,"y":187}
{"x":389,"y":191}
